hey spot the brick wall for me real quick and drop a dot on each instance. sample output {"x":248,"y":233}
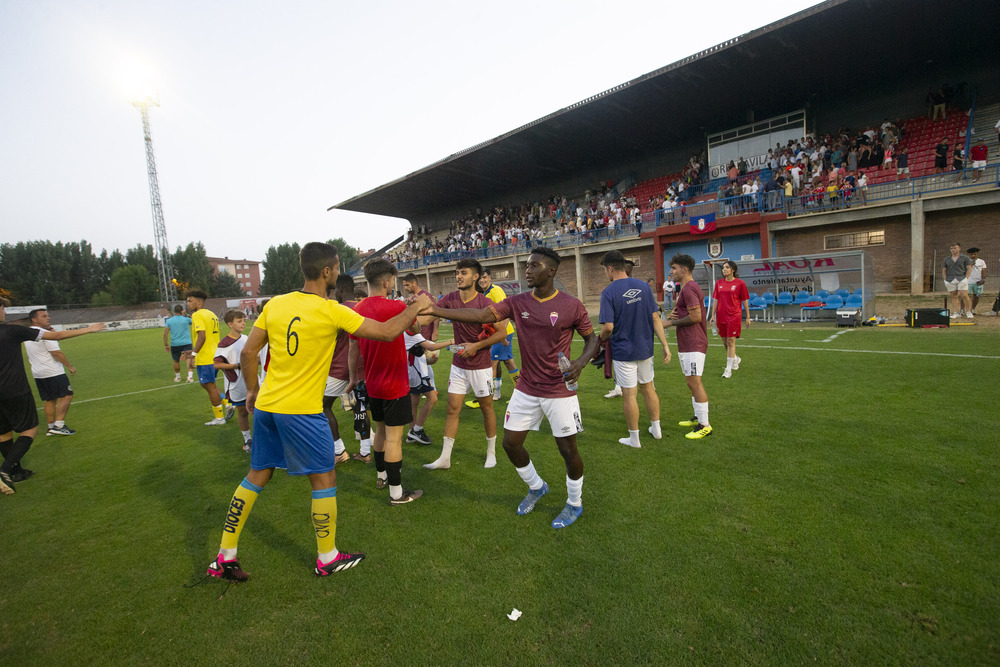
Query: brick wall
{"x":977,"y":226}
{"x":891,"y":260}
{"x":973,"y":226}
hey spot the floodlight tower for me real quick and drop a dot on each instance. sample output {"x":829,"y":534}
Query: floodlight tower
{"x":168,"y":291}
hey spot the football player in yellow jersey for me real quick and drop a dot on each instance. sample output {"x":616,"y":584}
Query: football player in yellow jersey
{"x":205,"y":341}
{"x":290,"y":431}
{"x":502,"y":351}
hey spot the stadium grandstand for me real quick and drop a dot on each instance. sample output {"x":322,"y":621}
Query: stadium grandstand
{"x":822,"y":132}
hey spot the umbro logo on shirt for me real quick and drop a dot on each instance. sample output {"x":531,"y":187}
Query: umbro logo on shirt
{"x":524,"y":315}
{"x":631,"y":293}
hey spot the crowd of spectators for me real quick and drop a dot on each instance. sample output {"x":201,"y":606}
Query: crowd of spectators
{"x":829,"y":169}
{"x":597,"y":210}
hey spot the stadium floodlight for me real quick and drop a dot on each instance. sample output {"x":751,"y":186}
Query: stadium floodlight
{"x":143,"y":101}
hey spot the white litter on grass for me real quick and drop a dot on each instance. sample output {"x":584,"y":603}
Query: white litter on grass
{"x":514,"y":615}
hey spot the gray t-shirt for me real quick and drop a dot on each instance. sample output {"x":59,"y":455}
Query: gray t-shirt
{"x":955,"y":269}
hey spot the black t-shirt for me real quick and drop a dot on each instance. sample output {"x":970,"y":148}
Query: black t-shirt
{"x":13,"y":381}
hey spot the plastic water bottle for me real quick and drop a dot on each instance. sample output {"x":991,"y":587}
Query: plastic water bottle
{"x":456,"y":349}
{"x":564,"y":366}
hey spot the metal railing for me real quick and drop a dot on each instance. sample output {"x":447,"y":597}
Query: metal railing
{"x":761,"y":202}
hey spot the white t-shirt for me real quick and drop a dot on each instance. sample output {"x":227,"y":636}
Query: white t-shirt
{"x":43,"y":364}
{"x":237,"y":391}
{"x":974,"y":276}
{"x":418,"y":370}
{"x":668,"y":287}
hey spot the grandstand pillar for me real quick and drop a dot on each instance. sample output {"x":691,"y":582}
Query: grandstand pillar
{"x":427,"y":278}
{"x":517,"y":270}
{"x":917,"y":246}
{"x":661,"y":272}
{"x":579,"y":273}
{"x":766,"y":240}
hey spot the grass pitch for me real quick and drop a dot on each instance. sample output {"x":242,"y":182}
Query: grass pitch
{"x":844,"y":511}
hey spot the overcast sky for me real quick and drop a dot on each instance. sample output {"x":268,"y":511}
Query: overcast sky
{"x":272,"y":112}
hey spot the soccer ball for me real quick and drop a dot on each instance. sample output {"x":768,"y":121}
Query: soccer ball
{"x":432,"y":356}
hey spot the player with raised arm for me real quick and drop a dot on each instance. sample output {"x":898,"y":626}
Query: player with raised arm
{"x":692,"y":341}
{"x":502,"y":352}
{"x":470,"y":368}
{"x":429,"y":332}
{"x":339,"y":376}
{"x":227,"y":360}
{"x":545,"y":319}
{"x":386,"y":380}
{"x":17,"y":405}
{"x":205,"y":326}
{"x":359,"y":404}
{"x":290,"y":430}
{"x":730,"y":299}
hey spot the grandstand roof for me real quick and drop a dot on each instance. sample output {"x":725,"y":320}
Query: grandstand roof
{"x":830,"y":52}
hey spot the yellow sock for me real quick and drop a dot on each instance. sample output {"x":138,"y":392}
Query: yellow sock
{"x":239,"y":510}
{"x":225,"y":402}
{"x":515,"y":375}
{"x":217,"y":411}
{"x":324,"y":518}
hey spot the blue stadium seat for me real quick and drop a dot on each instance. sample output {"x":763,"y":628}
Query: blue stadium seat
{"x":823,"y":293}
{"x":854,"y":301}
{"x":758,"y":303}
{"x":833,"y":302}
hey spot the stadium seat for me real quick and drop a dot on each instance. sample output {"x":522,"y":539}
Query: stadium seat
{"x":759,"y":304}
{"x":858,"y":292}
{"x":833,"y":302}
{"x":769,"y":297}
{"x":784,"y":299}
{"x":842,"y":293}
{"x":823,"y":293}
{"x":854,"y":301}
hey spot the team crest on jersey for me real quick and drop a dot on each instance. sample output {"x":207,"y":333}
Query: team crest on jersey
{"x":553,"y":316}
{"x":631,"y":293}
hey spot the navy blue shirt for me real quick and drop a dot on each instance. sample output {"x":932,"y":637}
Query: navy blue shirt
{"x":629,"y":303}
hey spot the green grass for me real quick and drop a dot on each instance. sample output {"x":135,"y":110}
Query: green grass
{"x":844,"y":511}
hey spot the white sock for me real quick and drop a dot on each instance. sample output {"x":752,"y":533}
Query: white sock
{"x":654,"y":429}
{"x":618,"y":389}
{"x":729,"y":363}
{"x":443,"y":462}
{"x":694,"y":406}
{"x":177,"y":376}
{"x":634,"y":437}
{"x":491,"y":452}
{"x":396,"y":492}
{"x":326,"y":558}
{"x":382,"y":475}
{"x":366,"y":447}
{"x":59,"y":423}
{"x":574,"y":491}
{"x":246,"y":435}
{"x":190,"y":374}
{"x":530,"y":477}
{"x":701,"y":412}
{"x":228,"y":554}
{"x":52,"y":424}
{"x":338,"y":449}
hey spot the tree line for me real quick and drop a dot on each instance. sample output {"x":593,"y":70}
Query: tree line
{"x":72,"y":274}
